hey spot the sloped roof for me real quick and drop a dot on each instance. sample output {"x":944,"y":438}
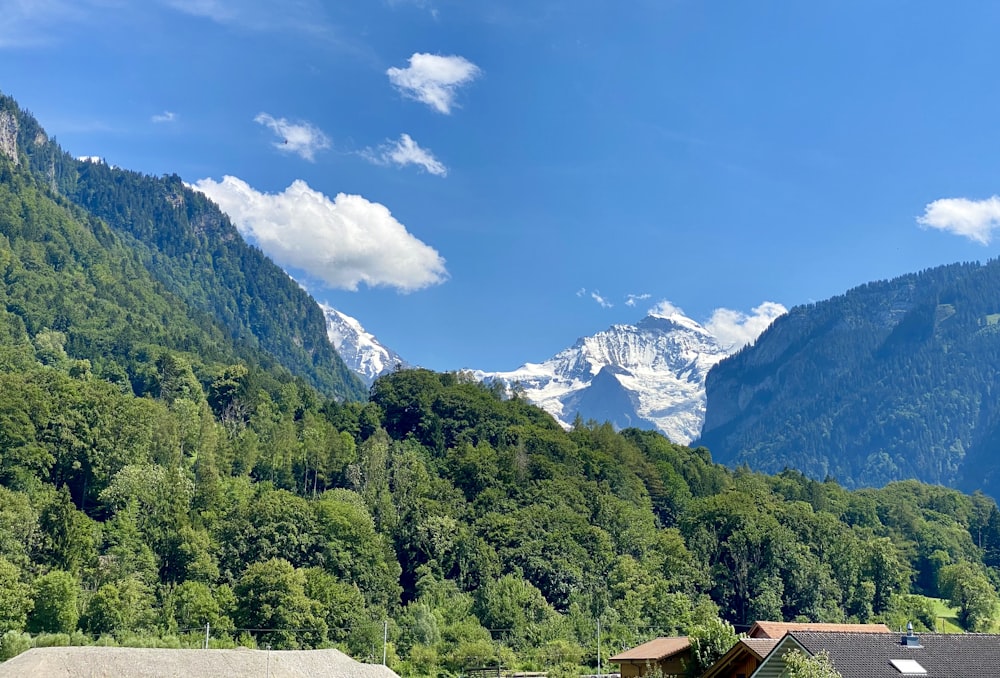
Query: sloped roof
{"x":770,"y":629}
{"x":761,"y":647}
{"x":868,"y":655}
{"x":758,"y":647}
{"x":130,"y":662}
{"x":659,"y":648}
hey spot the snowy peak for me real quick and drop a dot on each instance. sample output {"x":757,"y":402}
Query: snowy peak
{"x":360,"y":350}
{"x":673,"y":321}
{"x":647,"y":375}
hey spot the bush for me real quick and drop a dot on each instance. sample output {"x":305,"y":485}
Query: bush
{"x":52,"y":640}
{"x":14,"y":643}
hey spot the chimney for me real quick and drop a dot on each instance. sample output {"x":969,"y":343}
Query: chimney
{"x":910,"y":640}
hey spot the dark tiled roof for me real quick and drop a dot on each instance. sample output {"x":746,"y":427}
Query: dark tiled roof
{"x":943,"y":655}
{"x":660,"y":648}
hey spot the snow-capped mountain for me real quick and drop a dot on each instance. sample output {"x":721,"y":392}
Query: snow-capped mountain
{"x":649,"y":375}
{"x":360,"y":350}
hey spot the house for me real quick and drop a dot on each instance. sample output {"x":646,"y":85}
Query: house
{"x":744,"y":657}
{"x":670,"y":655}
{"x":891,"y":655}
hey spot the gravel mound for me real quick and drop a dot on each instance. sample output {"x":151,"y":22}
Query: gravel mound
{"x":129,"y":662}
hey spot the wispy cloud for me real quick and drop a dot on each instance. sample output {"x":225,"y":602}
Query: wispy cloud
{"x":735,"y":329}
{"x":220,"y":11}
{"x":632,"y":299}
{"x":596,"y":296}
{"x":304,"y":16}
{"x":973,"y":219}
{"x":341,"y":242}
{"x":434,"y":79}
{"x":425,"y":5}
{"x":34,"y":23}
{"x":29,"y":23}
{"x":601,"y":301}
{"x":302,"y":138}
{"x":405,"y":151}
{"x":165,"y":116}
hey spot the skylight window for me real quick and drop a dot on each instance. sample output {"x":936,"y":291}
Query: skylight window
{"x":908,"y":667}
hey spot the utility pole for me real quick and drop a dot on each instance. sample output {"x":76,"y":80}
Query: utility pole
{"x":385,"y":638}
{"x":207,"y":628}
{"x":598,"y":647}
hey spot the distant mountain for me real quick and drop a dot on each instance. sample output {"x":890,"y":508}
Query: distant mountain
{"x":650,"y":375}
{"x":360,"y":350}
{"x":892,"y":380}
{"x":192,"y":248}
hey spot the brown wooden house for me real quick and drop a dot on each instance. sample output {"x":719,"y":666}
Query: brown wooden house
{"x":743,"y":659}
{"x":671,"y":656}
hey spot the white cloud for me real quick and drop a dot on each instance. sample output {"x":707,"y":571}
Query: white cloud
{"x":581,"y":292}
{"x":631,"y":299}
{"x":974,"y":219}
{"x":166,"y":116}
{"x":433,"y":79}
{"x":342,"y":242}
{"x":734,"y":329}
{"x":406,"y":151}
{"x":665,"y":309}
{"x":300,"y":137}
{"x":601,"y":301}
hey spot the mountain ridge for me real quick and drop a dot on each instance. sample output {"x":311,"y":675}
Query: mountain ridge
{"x":648,"y":375}
{"x":360,"y":350}
{"x":191,"y":247}
{"x":888,"y":381}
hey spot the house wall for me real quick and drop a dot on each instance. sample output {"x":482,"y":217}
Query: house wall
{"x":674,"y":666}
{"x":774,"y":665}
{"x":742,"y":668}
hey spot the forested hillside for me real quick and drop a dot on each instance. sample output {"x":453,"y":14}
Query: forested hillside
{"x":161,"y":476}
{"x":194,"y":251}
{"x":895,"y":379}
{"x":475,"y":527}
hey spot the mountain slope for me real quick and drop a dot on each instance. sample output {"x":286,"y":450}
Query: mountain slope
{"x":648,"y":375}
{"x":71,"y":290}
{"x":360,"y":350}
{"x":192,"y":248}
{"x":895,"y":379}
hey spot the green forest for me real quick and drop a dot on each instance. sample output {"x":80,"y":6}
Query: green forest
{"x":470,"y":529}
{"x":170,"y":472}
{"x":894,"y":379}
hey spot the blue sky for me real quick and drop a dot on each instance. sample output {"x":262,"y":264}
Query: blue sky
{"x":482,"y":182}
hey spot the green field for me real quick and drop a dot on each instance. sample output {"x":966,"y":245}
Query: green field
{"x":947,"y":617}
